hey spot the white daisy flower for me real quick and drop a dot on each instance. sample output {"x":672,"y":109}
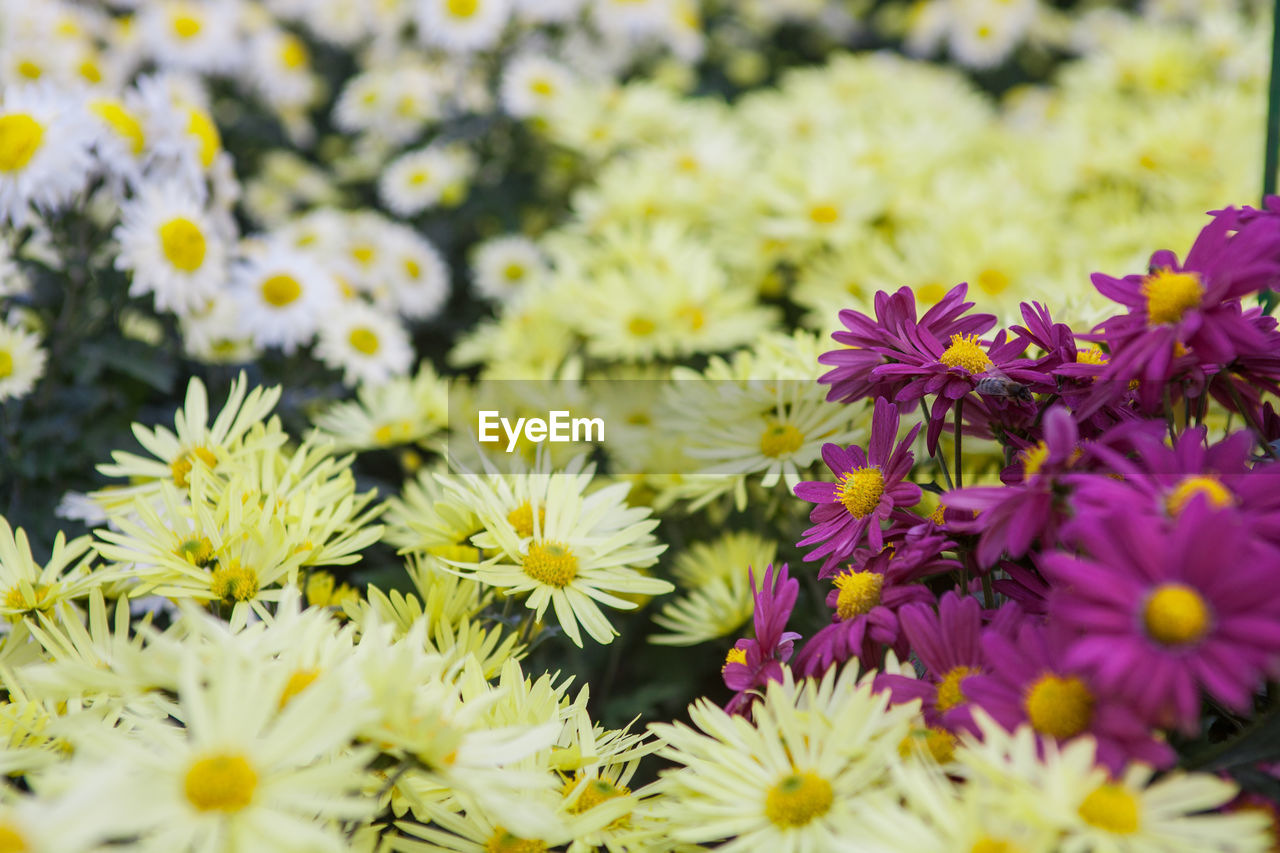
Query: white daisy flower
{"x":425,"y":178}
{"x":170,"y":244}
{"x":192,"y":36}
{"x":419,"y":281}
{"x":283,"y":297}
{"x":212,"y":333}
{"x":503,"y":267}
{"x":462,"y":25}
{"x":179,"y":127}
{"x":368,"y":346}
{"x":121,"y":140}
{"x":530,"y":83}
{"x":282,"y":69}
{"x":44,"y":152}
{"x":21,"y":361}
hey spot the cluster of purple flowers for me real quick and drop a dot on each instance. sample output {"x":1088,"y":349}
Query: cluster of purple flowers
{"x":1122,"y":581}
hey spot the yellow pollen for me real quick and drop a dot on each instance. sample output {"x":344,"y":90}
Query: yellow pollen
{"x":412,"y":268}
{"x":1215,"y":493}
{"x":859,"y":592}
{"x":1059,"y":707}
{"x":687,"y":163}
{"x":992,"y":845}
{"x":197,"y":550}
{"x":940,"y":743}
{"x":223,"y":782}
{"x":186,"y":26}
{"x":513,"y":272}
{"x":418,"y":177}
{"x":1112,"y":808}
{"x":951,"y":687}
{"x":1170,"y":295}
{"x":641,"y":326}
{"x":521,"y":518}
{"x":939,"y":515}
{"x":120,"y":120}
{"x":734,"y":655}
{"x":593,"y":793}
{"x":15,"y":600}
{"x":780,"y":440}
{"x":1033,"y":458}
{"x":860,"y":490}
{"x":6,"y":363}
{"x":181,"y":467}
{"x":693,"y":315}
{"x":1176,"y":615}
{"x":183,"y":244}
{"x":397,"y":432}
{"x":201,"y":126}
{"x":993,"y":282}
{"x":551,"y":563}
{"x":90,"y":71}
{"x":824,"y":214}
{"x":20,"y":138}
{"x":462,"y":8}
{"x":363,"y":340}
{"x":299,"y":681}
{"x":29,"y":69}
{"x":1091,"y":355}
{"x":363,"y":255}
{"x":280,"y":290}
{"x":233,"y":582}
{"x":965,"y":352}
{"x":541,"y":86}
{"x":293,"y":53}
{"x":12,"y":840}
{"x":797,"y":799}
{"x":504,"y":842}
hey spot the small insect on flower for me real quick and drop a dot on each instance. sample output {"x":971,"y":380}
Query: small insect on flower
{"x":995,"y":384}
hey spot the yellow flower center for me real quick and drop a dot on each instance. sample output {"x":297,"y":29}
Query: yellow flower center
{"x":940,"y":743}
{"x":234,"y":582}
{"x":280,"y":290}
{"x":780,"y":440}
{"x":293,"y":53}
{"x":30,"y":70}
{"x":859,"y":592}
{"x":951,"y":687}
{"x":398,"y":432}
{"x":363,"y":255}
{"x":201,"y":127}
{"x":1033,"y":458}
{"x":641,"y":327}
{"x":183,"y":244}
{"x":120,"y":120}
{"x":993,"y":281}
{"x":541,"y":86}
{"x":196,"y":550}
{"x":734,"y":655}
{"x":1059,"y":707}
{"x":459,"y":552}
{"x":930,"y":293}
{"x":992,"y":845}
{"x":965,"y":352}
{"x":1112,"y":808}
{"x":860,"y":490}
{"x":15,"y":600}
{"x":299,"y":681}
{"x":6,"y":364}
{"x":462,"y":8}
{"x":181,"y":467}
{"x":20,"y":138}
{"x":513,"y":272}
{"x":1091,"y":355}
{"x":1216,"y":494}
{"x":593,"y":793}
{"x":797,"y":799}
{"x":186,"y":26}
{"x":90,"y":71}
{"x":1176,"y":615}
{"x":1170,"y":295}
{"x":824,"y":214}
{"x":363,"y":340}
{"x":12,"y":840}
{"x":504,"y":842}
{"x":412,"y":268}
{"x":223,"y":782}
{"x":521,"y":518}
{"x":939,"y":514}
{"x":693,"y":315}
{"x":551,"y":563}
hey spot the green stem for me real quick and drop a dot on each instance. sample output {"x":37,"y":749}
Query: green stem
{"x":1271,"y":157}
{"x":941,"y":457}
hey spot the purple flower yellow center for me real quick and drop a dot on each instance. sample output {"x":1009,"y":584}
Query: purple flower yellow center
{"x":551,"y":563}
{"x":1111,"y":807}
{"x":780,"y":440}
{"x":859,"y":592}
{"x":951,"y":687}
{"x":735,"y":655}
{"x":1170,"y":295}
{"x":504,"y":842}
{"x":1033,"y":458}
{"x":223,"y":782}
{"x":1175,"y":615}
{"x":1061,"y":707}
{"x":965,"y":352}
{"x":940,"y":743}
{"x":1215,"y":493}
{"x":797,"y":799}
{"x":860,"y":490}
{"x":1091,"y":355}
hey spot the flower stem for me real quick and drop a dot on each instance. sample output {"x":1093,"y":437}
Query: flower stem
{"x":1271,"y":160}
{"x":1254,"y":427}
{"x":941,"y":457}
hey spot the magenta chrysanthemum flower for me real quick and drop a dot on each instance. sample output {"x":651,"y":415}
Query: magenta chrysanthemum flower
{"x":1188,"y":606}
{"x":870,"y":343}
{"x":1028,"y":680}
{"x":753,"y":663}
{"x":947,"y":643}
{"x":868,"y":487}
